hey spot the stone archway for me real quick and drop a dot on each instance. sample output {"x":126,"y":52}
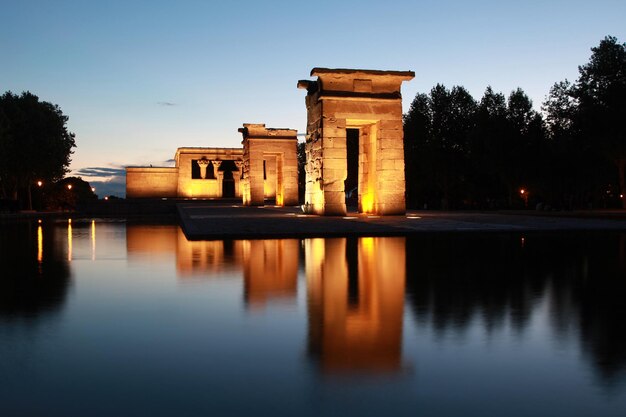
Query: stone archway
{"x":370,"y":102}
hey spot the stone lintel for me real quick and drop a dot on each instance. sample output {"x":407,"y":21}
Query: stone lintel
{"x":355,"y":73}
{"x":259,"y":131}
{"x":348,"y":95}
{"x":151,"y":169}
{"x":355,"y":83}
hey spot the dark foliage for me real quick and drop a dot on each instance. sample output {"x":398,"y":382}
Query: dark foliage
{"x":35,"y":145}
{"x":461,"y":153}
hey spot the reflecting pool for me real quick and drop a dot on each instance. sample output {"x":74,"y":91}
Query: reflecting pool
{"x":104,"y":318}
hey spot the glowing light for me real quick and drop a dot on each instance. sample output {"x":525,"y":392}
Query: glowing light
{"x":368,"y":245}
{"x":93,"y":240}
{"x":350,"y":217}
{"x":39,"y":183}
{"x":39,"y":244}
{"x":106,"y":198}
{"x":413,"y":217}
{"x":69,"y":239}
{"x":523,"y":241}
{"x":621,"y":196}
{"x":39,"y":221}
{"x":522,"y":191}
{"x":69,"y":186}
{"x":367,"y":202}
{"x":373,"y":217}
{"x":93,"y":189}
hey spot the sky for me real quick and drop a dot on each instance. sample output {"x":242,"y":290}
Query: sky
{"x":139,"y":79}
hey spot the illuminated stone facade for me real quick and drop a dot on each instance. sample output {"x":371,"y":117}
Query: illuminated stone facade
{"x":198,"y":173}
{"x":370,"y":104}
{"x":270,"y":165}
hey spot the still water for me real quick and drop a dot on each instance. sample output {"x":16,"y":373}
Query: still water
{"x":114,"y":319}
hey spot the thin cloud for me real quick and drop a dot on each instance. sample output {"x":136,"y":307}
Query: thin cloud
{"x":101,"y":172}
{"x":166,"y":103}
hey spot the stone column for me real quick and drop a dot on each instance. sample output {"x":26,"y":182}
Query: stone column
{"x":220,"y":177}
{"x":203,"y":163}
{"x":238,"y":175}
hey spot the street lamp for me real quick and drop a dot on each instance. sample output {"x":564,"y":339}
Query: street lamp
{"x":69,"y":186}
{"x":524,"y":195}
{"x":39,"y":183}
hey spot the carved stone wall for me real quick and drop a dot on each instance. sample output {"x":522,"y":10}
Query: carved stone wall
{"x":369,"y":101}
{"x":270,"y":165}
{"x":180,"y":181}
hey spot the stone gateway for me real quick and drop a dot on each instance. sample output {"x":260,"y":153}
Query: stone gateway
{"x":362,"y":110}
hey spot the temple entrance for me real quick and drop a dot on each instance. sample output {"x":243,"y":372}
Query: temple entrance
{"x":228,"y":180}
{"x":354,"y":142}
{"x":228,"y":185}
{"x":351,"y":184}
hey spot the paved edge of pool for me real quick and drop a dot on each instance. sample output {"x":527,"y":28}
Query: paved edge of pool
{"x":211,"y":222}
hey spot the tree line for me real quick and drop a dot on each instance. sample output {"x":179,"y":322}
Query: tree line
{"x":35,"y":151}
{"x":498,"y":152}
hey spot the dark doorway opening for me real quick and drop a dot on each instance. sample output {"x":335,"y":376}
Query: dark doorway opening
{"x":228,"y":180}
{"x":351,"y":184}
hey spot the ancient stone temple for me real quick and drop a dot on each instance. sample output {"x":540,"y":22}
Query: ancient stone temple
{"x":198,"y":173}
{"x":270,"y":165}
{"x":354,"y":142}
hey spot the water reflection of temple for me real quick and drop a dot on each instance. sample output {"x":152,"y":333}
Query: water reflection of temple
{"x":270,"y":270}
{"x":355,"y":301}
{"x":269,"y":267}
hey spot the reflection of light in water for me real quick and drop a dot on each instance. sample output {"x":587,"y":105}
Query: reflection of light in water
{"x":367,"y":243}
{"x":69,"y":239}
{"x":93,"y":240}
{"x":39,"y":244}
{"x":355,"y":303}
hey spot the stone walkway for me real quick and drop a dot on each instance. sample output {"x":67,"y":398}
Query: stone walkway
{"x":207,"y":221}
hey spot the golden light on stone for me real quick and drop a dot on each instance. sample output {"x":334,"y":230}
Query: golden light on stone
{"x":270,"y":165}
{"x":368,"y":102}
{"x":191,"y":176}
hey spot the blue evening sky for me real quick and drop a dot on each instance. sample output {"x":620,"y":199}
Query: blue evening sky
{"x":140,"y":78}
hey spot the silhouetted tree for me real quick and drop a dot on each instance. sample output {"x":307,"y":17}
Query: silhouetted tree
{"x":601,"y":96}
{"x":34,"y":144}
{"x":586,"y":128}
{"x":437,"y":128}
{"x":67,"y":193}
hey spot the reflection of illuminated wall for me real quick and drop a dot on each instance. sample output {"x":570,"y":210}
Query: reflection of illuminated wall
{"x":207,"y":257}
{"x":356,"y":297}
{"x":270,"y":269}
{"x":151,"y":240}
